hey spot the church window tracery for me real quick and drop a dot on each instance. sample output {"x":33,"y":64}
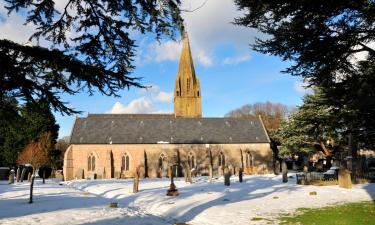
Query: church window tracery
{"x":91,"y":162}
{"x":221,"y":159}
{"x":248,"y":159}
{"x":191,"y":160}
{"x":125,"y":162}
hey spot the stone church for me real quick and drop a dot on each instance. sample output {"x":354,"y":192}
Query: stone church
{"x":118,"y":145}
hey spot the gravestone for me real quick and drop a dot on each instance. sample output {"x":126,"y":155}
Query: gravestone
{"x":186,"y":169}
{"x":164,"y":171}
{"x":100,"y":171}
{"x":210,"y":173}
{"x":79,"y":174}
{"x":172,"y":191}
{"x":240,"y":175}
{"x":227,"y":175}
{"x":23,"y":174}
{"x":277,"y":167}
{"x":284,"y":170}
{"x":136,"y":182}
{"x":11,"y":176}
{"x":220,"y":171}
{"x":190,"y":180}
{"x":345,"y":178}
{"x":18,"y":174}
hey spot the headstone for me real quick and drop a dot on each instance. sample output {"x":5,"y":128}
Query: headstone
{"x":30,"y":175}
{"x":189,"y":175}
{"x":210,"y":173}
{"x":79,"y":173}
{"x":186,"y":171}
{"x":11,"y":176}
{"x":284,"y":170}
{"x":23,"y":174}
{"x":136,"y":182}
{"x":240,"y":175}
{"x":172,"y":191}
{"x":164,"y":171}
{"x":220,"y":171}
{"x":345,"y":178}
{"x":227,"y":177}
{"x":18,"y":174}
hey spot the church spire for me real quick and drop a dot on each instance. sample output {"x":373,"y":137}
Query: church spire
{"x":187,"y":95}
{"x":186,"y":66}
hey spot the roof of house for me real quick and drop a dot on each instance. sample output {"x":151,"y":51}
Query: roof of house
{"x":166,"y":128}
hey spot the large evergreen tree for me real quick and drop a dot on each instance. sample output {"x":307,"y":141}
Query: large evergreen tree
{"x":330,"y":45}
{"x":23,"y":126}
{"x":96,"y":55}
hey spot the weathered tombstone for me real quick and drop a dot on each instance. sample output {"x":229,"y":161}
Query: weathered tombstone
{"x":11,"y":176}
{"x":186,"y":171}
{"x":189,"y":175}
{"x":164,"y":171}
{"x":284,"y":170}
{"x":136,"y":182}
{"x":344,"y":178}
{"x":172,"y":191}
{"x":23,"y":174}
{"x":79,"y":173}
{"x":220,"y":171}
{"x":18,"y":174}
{"x":240,"y":175}
{"x":277,"y":167}
{"x":227,"y":177}
{"x":29,"y":177}
{"x":210,"y":173}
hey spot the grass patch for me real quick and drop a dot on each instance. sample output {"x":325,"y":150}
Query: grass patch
{"x":352,"y":213}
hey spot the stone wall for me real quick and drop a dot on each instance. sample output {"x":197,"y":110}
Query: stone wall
{"x":145,"y":158}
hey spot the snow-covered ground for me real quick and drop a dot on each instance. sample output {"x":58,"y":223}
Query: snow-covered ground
{"x":86,"y":202}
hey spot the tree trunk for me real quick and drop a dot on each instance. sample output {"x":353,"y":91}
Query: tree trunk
{"x":326,"y":152}
{"x":44,"y":176}
{"x":31,"y":189}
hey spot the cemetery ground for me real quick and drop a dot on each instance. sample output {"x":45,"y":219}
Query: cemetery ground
{"x":260,"y":199}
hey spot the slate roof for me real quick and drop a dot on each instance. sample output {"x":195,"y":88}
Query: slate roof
{"x":165,"y":128}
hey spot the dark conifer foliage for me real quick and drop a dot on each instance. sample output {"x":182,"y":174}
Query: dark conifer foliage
{"x":323,"y":40}
{"x":90,"y":47}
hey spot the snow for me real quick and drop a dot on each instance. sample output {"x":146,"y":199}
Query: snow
{"x":202,"y":202}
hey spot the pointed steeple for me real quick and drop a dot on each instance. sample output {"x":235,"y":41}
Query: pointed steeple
{"x":186,"y":66}
{"x":187,"y":95}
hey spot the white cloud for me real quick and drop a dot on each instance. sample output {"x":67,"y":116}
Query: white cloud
{"x":302,"y":87}
{"x":152,"y":97}
{"x":169,"y":50}
{"x":236,"y":59}
{"x":164,"y":97}
{"x":139,"y":105}
{"x":204,"y":59}
{"x":12,"y":28}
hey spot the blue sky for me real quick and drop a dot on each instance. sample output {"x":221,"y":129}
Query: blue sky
{"x":231,"y":74}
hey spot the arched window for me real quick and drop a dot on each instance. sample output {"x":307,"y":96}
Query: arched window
{"x":125,"y":162}
{"x":248,"y":159}
{"x":221,"y":159}
{"x":178,"y":93}
{"x":198,"y":93}
{"x":191,"y":160}
{"x":91,"y":162}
